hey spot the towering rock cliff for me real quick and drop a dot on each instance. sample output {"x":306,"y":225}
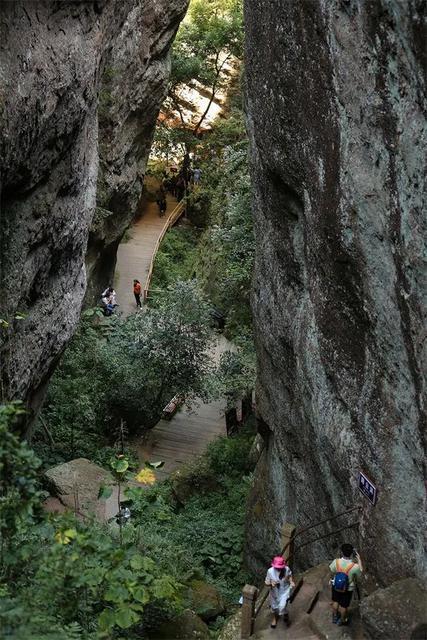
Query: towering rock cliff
{"x":57,"y":60}
{"x":336,"y":114}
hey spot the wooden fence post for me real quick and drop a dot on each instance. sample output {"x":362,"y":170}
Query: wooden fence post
{"x":287,"y":540}
{"x":248,"y":611}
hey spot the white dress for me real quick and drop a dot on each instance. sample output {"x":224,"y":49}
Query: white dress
{"x":279,"y":595}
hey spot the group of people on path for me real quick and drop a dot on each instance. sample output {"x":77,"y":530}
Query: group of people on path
{"x":345,"y":572}
{"x":108,"y":298}
{"x":177,"y":183}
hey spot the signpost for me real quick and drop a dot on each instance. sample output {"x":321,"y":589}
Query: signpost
{"x":367,"y":487}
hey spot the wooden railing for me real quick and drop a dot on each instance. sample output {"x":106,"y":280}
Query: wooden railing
{"x":253,"y":600}
{"x":169,"y":222}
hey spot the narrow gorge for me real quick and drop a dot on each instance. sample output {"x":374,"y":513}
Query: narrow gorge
{"x":213,"y":291}
{"x":336,"y":107}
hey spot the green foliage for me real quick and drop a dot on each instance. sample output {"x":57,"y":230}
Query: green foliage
{"x":175,"y":258}
{"x":209,"y":38}
{"x":87,"y":579}
{"x":127,"y":369}
{"x":230,"y":456}
{"x":156,"y":355}
{"x":67,"y":579}
{"x":204,"y":538}
{"x":19,"y":491}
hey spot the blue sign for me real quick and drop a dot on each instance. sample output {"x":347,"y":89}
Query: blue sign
{"x":368,"y":489}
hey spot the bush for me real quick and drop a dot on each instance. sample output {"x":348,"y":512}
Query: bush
{"x":124,"y":370}
{"x":230,"y":456}
{"x":203,"y":538}
{"x":91,"y":582}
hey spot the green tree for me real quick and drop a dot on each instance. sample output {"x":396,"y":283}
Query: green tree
{"x":153,"y":356}
{"x":210,"y":36}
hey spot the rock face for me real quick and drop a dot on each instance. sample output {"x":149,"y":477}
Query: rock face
{"x":77,"y":484}
{"x":399,"y":611}
{"x":336,"y":114}
{"x":206,"y":600}
{"x":57,"y":59}
{"x":133,"y":86}
{"x":187,"y":625}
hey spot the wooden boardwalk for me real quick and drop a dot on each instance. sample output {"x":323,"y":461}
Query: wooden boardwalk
{"x":134,"y":256}
{"x":189,"y":432}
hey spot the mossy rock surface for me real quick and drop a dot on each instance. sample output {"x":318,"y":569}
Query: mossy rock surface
{"x":187,"y":626}
{"x":206,"y":600}
{"x":195,"y":479}
{"x":231,"y":629}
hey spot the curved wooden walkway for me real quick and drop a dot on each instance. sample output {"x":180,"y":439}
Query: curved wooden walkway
{"x":134,"y":257}
{"x":189,"y":432}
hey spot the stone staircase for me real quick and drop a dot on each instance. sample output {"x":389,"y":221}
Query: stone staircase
{"x":310,"y":613}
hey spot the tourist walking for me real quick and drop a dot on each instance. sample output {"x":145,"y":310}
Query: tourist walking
{"x":279,"y":579}
{"x":346,"y":570}
{"x":137,"y":292}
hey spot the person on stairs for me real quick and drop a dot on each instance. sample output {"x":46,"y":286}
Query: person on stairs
{"x":279,"y":579}
{"x":137,"y":292}
{"x":345,"y":572}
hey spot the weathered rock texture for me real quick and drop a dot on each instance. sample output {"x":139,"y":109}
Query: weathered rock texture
{"x":399,"y":611}
{"x":57,"y":58}
{"x":77,"y":483}
{"x":336,"y":115}
{"x":133,"y":86}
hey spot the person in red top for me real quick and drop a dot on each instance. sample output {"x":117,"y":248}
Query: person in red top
{"x":137,"y":292}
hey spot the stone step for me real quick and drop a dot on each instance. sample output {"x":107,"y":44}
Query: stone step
{"x":306,"y":598}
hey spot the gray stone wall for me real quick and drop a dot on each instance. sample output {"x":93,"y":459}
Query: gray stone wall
{"x":55,"y":58}
{"x":336,"y":110}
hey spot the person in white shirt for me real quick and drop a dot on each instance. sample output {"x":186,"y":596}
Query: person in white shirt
{"x":279,"y":579}
{"x":108,"y":299}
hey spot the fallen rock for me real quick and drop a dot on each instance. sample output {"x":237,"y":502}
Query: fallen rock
{"x":77,"y":483}
{"x":187,"y":626}
{"x":206,"y":600}
{"x":399,"y":611}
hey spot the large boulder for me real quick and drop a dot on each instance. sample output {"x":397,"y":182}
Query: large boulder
{"x":187,"y":626}
{"x":206,"y":600}
{"x":193,"y":479}
{"x":399,"y":611}
{"x":76,"y":484}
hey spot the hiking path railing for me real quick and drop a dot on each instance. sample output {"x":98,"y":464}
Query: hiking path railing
{"x":169,"y":222}
{"x":253,"y":600}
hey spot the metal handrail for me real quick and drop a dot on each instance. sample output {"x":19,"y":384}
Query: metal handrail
{"x":304,"y":544}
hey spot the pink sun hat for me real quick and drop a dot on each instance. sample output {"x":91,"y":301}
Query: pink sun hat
{"x":278,"y":562}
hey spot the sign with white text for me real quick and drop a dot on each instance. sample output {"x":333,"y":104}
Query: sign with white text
{"x":366,"y":487}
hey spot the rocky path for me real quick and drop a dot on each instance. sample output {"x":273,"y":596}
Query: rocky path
{"x":310,"y":613}
{"x":134,"y":256}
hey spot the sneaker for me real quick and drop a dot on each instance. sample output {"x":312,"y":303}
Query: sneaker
{"x":343,"y":623}
{"x":336,"y":618}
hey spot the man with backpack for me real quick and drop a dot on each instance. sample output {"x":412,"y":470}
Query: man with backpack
{"x":345,"y":574}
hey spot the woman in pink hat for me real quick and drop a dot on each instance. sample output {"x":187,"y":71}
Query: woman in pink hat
{"x":279,"y":579}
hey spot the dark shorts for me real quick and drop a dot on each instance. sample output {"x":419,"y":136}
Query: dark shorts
{"x":343,"y":598}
